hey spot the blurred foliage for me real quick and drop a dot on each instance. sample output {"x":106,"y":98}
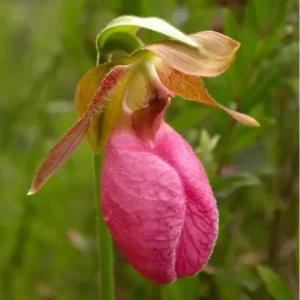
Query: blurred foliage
{"x":47,"y":248}
{"x":276,"y":286}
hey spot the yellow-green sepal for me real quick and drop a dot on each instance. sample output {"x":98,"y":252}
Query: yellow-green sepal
{"x":120,"y":34}
{"x":117,"y":43}
{"x":101,"y":91}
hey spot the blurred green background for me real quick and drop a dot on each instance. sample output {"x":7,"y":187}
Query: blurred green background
{"x":47,"y":241}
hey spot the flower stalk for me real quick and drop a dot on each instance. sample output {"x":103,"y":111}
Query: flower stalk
{"x":104,"y":240}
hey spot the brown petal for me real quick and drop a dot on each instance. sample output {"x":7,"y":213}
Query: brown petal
{"x":214,"y":55}
{"x":215,"y":45}
{"x":86,"y":89}
{"x":192,"y":88}
{"x":88,"y":85}
{"x":59,"y":154}
{"x":64,"y":148}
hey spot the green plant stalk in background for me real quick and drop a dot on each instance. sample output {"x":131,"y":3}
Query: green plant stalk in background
{"x":104,"y":240}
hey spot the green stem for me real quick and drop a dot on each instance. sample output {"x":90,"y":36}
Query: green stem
{"x":104,"y":241}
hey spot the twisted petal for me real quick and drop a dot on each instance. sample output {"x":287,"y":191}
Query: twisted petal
{"x":192,"y":88}
{"x":213,"y":56}
{"x":64,"y":148}
{"x":86,"y":89}
{"x":59,"y":154}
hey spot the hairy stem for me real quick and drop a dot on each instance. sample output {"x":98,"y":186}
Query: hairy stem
{"x":104,"y":241}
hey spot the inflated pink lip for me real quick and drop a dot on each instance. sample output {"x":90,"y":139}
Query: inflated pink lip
{"x":158,"y":204}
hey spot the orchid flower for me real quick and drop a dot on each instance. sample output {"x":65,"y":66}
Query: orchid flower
{"x":156,"y":198}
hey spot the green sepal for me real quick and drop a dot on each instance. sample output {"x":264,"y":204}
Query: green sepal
{"x":120,"y":34}
{"x":116,"y":43}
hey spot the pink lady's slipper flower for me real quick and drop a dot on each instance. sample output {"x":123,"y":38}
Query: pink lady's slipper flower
{"x":156,"y":198}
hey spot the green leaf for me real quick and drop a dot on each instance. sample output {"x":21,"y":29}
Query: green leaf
{"x":207,"y":145}
{"x":70,"y":18}
{"x":276,"y":286}
{"x":225,"y":218}
{"x":235,"y":278}
{"x":269,"y":74}
{"x":281,"y":14}
{"x":183,"y":288}
{"x":129,"y":25}
{"x":250,"y":20}
{"x":225,"y":186}
{"x":249,"y":33}
{"x":231,"y":27}
{"x":263,"y":11}
{"x":187,"y":118}
{"x":236,"y":74}
{"x":270,"y":13}
{"x":154,"y":8}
